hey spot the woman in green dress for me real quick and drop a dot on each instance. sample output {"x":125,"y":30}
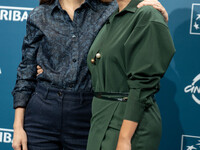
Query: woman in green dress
{"x":127,"y":60}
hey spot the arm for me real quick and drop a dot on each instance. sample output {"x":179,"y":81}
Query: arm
{"x":26,"y":72}
{"x":26,"y":81}
{"x":148,"y":52}
{"x":157,"y":5}
{"x":19,"y":137}
{"x":126,"y":132}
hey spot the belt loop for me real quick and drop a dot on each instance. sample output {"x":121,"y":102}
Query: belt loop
{"x":81,"y":97}
{"x":46,"y":93}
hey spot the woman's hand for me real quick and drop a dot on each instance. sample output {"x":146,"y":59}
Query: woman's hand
{"x":157,"y":5}
{"x":19,"y":139}
{"x":39,"y":70}
{"x":123,"y":144}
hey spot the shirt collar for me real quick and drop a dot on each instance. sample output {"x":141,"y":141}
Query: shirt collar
{"x":132,"y":6}
{"x":55,"y":5}
{"x":92,"y":3}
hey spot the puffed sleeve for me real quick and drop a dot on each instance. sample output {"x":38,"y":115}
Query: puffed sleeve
{"x":148,"y":52}
{"x":26,"y":72}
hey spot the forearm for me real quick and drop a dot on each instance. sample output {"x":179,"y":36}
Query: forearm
{"x":19,"y":136}
{"x":126,"y":133}
{"x":127,"y":129}
{"x":19,"y":118}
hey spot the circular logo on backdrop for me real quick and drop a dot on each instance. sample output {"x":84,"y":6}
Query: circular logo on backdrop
{"x":194,"y":89}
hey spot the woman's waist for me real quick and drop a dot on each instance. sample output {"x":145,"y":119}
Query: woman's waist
{"x":116,"y":96}
{"x":69,"y":86}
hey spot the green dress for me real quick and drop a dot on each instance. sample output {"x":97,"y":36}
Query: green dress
{"x":130,"y":55}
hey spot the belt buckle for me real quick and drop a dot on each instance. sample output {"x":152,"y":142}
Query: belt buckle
{"x":123,"y":99}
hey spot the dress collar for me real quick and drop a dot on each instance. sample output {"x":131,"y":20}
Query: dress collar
{"x":132,"y":6}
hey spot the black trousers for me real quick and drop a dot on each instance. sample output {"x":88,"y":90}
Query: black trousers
{"x":57,"y":120}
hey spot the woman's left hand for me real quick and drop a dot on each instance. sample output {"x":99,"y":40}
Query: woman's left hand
{"x":123,"y":144}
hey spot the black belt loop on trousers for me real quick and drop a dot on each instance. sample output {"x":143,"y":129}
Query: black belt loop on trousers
{"x":81,"y":97}
{"x":46,"y":93}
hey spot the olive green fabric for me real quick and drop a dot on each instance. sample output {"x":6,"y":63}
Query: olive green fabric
{"x":103,"y":111}
{"x":135,"y":50}
{"x":107,"y":120}
{"x":146,"y":137}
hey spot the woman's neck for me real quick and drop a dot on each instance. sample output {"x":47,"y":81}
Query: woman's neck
{"x":122,"y":4}
{"x":70,"y":6}
{"x":74,"y":4}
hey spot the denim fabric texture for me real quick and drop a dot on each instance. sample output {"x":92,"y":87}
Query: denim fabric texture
{"x":60,"y":46}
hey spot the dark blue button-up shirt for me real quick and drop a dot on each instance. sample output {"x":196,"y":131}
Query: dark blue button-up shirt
{"x":60,"y":46}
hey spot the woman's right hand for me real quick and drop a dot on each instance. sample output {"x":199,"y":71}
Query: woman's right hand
{"x":19,"y":139}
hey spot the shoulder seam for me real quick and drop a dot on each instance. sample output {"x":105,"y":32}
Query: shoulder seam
{"x":157,"y":22}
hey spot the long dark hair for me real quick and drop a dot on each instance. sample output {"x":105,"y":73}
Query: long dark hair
{"x":49,"y":2}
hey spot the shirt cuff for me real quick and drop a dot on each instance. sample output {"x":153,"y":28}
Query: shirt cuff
{"x":134,"y":107}
{"x":20,"y":100}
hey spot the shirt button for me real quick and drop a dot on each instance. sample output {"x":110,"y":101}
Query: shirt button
{"x":71,"y":85}
{"x":59,"y":93}
{"x":73,"y":36}
{"x":74,"y":60}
